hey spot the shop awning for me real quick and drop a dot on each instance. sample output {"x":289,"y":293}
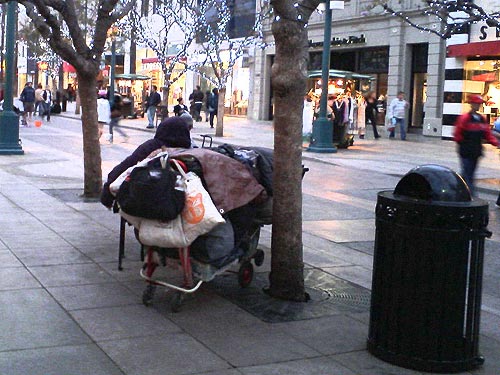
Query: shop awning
{"x":491,"y":48}
{"x":132,"y":77}
{"x":485,"y":77}
{"x":334,"y":73}
{"x":149,"y":60}
{"x":68,"y":68}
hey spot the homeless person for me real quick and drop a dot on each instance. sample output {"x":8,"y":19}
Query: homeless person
{"x":172,"y":132}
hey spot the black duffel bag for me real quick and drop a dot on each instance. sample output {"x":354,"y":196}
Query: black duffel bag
{"x":150,"y":192}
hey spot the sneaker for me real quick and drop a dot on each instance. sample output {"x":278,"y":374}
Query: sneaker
{"x":150,"y":127}
{"x":497,"y":205}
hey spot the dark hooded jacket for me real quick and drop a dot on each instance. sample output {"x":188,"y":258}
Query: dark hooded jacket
{"x":172,"y":132}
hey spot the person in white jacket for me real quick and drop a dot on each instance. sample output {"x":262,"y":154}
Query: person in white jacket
{"x":397,"y":113}
{"x":103,"y":110}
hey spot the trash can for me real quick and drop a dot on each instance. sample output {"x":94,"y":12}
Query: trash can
{"x":128,"y":108}
{"x":427,"y":273}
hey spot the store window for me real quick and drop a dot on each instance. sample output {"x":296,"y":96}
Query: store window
{"x":482,"y":77}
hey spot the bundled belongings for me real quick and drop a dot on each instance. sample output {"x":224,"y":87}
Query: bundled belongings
{"x":199,"y":203}
{"x":150,"y":191}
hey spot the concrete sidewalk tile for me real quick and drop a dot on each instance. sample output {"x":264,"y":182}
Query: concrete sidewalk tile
{"x":29,"y":240}
{"x":491,"y":303}
{"x":320,"y":259}
{"x":74,"y":360}
{"x":206,"y":313}
{"x":32,"y":319}
{"x":131,"y":265}
{"x":342,"y":230}
{"x":355,"y":274}
{"x":172,"y":354}
{"x":50,"y":257}
{"x":255,"y":345}
{"x":362,"y":362}
{"x":331,"y":210}
{"x":330,"y":335}
{"x":123,"y":322}
{"x":93,"y":296}
{"x":17,"y":278}
{"x":313,"y":366}
{"x":326,"y":247}
{"x":490,"y":325}
{"x":8,"y":260}
{"x":104,"y":252}
{"x":71,"y":274}
{"x":490,"y":349}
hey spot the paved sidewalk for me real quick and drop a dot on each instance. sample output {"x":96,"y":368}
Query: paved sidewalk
{"x":66,"y":309}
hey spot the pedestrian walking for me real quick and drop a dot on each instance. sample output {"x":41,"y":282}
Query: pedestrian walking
{"x":397,"y":114}
{"x":471,"y":129}
{"x":197,"y":96}
{"x":116,"y":114}
{"x":370,"y":112}
{"x":46,"y":104}
{"x":71,"y":93}
{"x":207,"y":98}
{"x":213,"y":105}
{"x":152,"y":102}
{"x":27,"y":97}
{"x":38,"y":98}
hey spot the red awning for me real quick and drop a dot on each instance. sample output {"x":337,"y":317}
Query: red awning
{"x":475,"y":49}
{"x":148,"y":60}
{"x":485,"y":77}
{"x":68,"y":68}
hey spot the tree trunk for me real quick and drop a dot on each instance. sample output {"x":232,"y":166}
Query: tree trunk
{"x":287,"y":267}
{"x":90,"y":129}
{"x":219,"y":127}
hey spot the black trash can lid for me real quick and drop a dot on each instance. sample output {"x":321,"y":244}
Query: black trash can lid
{"x":433,"y":182}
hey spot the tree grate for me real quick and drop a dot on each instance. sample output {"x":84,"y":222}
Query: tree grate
{"x":329,"y":294}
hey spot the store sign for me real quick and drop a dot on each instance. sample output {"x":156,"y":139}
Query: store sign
{"x":351,"y":39}
{"x":481,"y":32}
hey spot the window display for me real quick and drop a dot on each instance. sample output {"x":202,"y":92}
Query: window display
{"x":482,"y":77}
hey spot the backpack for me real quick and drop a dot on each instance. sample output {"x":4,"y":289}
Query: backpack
{"x":150,"y":192}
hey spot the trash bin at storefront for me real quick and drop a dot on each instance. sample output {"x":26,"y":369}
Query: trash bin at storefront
{"x":128,"y":110}
{"x":427,"y":273}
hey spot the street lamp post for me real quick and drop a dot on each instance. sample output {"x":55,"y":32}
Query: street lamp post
{"x":9,"y":120}
{"x":322,"y":135}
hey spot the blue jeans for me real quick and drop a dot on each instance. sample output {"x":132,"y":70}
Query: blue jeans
{"x":151,"y":115}
{"x":468,"y":169}
{"x":402,"y":128}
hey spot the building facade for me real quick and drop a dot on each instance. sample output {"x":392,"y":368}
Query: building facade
{"x":397,"y":57}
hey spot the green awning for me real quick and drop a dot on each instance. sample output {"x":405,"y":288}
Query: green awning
{"x":334,"y":73}
{"x":132,"y":77}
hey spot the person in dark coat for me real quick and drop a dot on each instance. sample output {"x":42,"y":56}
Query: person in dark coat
{"x":370,"y":112}
{"x":172,"y":132}
{"x":213,"y":104}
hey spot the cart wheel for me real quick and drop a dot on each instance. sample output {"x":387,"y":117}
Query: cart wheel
{"x":176,"y":301}
{"x":147,"y":295}
{"x":245,"y":274}
{"x":258,"y":258}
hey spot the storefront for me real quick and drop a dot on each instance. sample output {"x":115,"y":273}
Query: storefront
{"x":472,"y":68}
{"x":389,"y":51}
{"x":151,"y":67}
